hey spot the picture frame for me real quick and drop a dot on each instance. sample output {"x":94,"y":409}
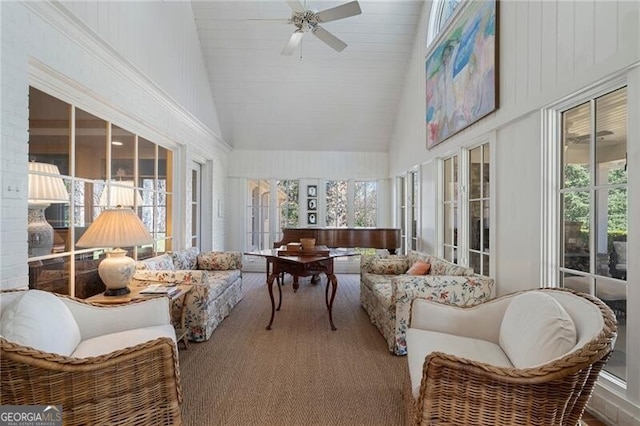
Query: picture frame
{"x":312,"y":190}
{"x":461,"y":72}
{"x":312,"y":219}
{"x":312,"y":204}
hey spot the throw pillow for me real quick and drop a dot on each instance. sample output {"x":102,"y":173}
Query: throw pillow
{"x":536,"y":329}
{"x":41,"y":321}
{"x":419,"y":268}
{"x":185,"y":259}
{"x":218,"y":261}
{"x":389,"y":266}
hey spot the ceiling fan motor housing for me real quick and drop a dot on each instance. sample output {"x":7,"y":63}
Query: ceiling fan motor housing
{"x":305,"y":21}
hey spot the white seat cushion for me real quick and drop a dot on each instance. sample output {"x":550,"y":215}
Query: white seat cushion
{"x":421,"y":343}
{"x":124,"y":339}
{"x":40,"y":320}
{"x":536,"y":329}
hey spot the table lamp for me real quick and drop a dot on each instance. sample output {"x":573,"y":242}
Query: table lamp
{"x":118,"y":227}
{"x":43,"y":191}
{"x":120,"y":196}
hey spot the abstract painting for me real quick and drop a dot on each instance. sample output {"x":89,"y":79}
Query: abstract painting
{"x":461,"y":72}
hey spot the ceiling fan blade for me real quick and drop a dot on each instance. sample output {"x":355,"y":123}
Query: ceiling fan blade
{"x":295,"y":5}
{"x":339,"y":12}
{"x":258,"y":21}
{"x":294,"y":41}
{"x":333,"y":41}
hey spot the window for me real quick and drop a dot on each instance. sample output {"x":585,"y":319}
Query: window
{"x":593,"y":206}
{"x":336,"y":196}
{"x":288,"y":208}
{"x":365,"y":203}
{"x":450,"y":209}
{"x":413,"y":208}
{"x":442,"y":11}
{"x":258,"y":215}
{"x":99,"y":165}
{"x":196,"y":169}
{"x":466,"y":208}
{"x":403,"y":213}
{"x":479,"y":209}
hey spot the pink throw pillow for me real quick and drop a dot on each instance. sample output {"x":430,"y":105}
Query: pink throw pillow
{"x":419,"y":268}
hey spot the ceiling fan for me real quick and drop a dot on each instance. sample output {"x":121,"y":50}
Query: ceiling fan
{"x":306,"y":20}
{"x":573,"y":138}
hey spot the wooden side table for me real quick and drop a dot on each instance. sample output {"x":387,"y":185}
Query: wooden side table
{"x":178,"y":297}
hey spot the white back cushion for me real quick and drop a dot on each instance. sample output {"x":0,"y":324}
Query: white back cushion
{"x":536,"y":329}
{"x":40,"y":320}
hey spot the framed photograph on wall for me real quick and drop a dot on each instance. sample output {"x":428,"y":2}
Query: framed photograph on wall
{"x":312,"y":190}
{"x":312,"y":204}
{"x":461,"y":72}
{"x":312,"y":219}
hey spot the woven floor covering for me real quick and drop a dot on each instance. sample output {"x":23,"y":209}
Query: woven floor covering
{"x":298,"y":373}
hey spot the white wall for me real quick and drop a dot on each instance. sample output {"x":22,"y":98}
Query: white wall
{"x":100,"y":66}
{"x":548,"y":50}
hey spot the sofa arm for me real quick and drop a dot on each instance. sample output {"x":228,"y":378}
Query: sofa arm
{"x":96,"y":320}
{"x":189,"y":276}
{"x":451,"y":290}
{"x":220,"y":260}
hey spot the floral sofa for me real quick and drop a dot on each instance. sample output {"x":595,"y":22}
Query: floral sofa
{"x":386,"y":290}
{"x":217,"y":285}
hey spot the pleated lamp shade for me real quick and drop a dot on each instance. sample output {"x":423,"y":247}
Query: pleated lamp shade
{"x":120,"y":196}
{"x":46,"y":189}
{"x":119,"y":227}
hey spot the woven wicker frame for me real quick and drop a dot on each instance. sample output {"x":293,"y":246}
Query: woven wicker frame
{"x":139,"y":385}
{"x":457,"y":391}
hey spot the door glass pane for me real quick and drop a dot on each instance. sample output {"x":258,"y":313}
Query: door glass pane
{"x":611,"y":137}
{"x":576,"y":230}
{"x":485,"y":227}
{"x":449,"y":217}
{"x":475,"y":225}
{"x":486,"y":170}
{"x":576,"y":124}
{"x":614,"y":294}
{"x":611,"y":232}
{"x":475,"y":173}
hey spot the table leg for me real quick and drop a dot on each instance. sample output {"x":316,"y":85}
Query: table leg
{"x":296,"y":285}
{"x":334,"y":286}
{"x":270,"y":280}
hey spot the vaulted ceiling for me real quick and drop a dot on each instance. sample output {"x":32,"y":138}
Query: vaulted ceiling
{"x":317,"y":99}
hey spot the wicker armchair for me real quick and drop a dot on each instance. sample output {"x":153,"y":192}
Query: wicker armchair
{"x":453,"y":389}
{"x":135,"y":381}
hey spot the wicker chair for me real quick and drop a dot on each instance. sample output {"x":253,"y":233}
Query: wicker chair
{"x":134,"y":384}
{"x":454,"y":390}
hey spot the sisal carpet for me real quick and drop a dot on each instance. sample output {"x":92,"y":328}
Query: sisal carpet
{"x":298,"y":373}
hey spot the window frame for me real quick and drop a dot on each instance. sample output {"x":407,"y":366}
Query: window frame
{"x":552,"y":220}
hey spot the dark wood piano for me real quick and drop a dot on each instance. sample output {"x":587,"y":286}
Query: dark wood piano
{"x":378,"y":238}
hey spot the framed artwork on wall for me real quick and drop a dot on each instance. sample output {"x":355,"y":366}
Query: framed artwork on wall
{"x":312,"y":191}
{"x":312,"y":204}
{"x":461,"y":72}
{"x":312,"y":219}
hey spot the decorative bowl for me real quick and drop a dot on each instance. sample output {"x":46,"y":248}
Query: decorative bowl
{"x":308,"y":243}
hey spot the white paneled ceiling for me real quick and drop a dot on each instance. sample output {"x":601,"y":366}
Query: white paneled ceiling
{"x":316,"y":99}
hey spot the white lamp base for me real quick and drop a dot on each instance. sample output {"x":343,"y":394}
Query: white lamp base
{"x":40,"y":233}
{"x":116,"y":271}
